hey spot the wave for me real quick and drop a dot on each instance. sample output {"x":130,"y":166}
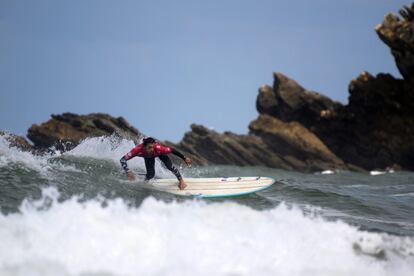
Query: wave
{"x":49,"y":237}
{"x":9,"y":154}
{"x":100,"y":148}
{"x":92,"y":170}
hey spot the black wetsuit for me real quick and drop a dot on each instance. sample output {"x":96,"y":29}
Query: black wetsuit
{"x":150,"y":166}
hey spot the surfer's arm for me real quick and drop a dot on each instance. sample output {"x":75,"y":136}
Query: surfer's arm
{"x":168,"y":150}
{"x":128,"y":156}
{"x":177,"y":153}
{"x":124,"y":160}
{"x":124,"y":165}
{"x":187,"y":160}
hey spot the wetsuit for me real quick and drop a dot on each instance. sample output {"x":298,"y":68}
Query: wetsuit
{"x":160,"y":152}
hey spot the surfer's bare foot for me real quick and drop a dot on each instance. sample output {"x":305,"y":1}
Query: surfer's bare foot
{"x":182,"y":185}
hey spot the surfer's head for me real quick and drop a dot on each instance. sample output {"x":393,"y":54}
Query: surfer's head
{"x":149,"y":144}
{"x":148,"y":140}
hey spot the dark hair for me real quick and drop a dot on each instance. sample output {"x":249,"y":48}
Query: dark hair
{"x":148,"y":140}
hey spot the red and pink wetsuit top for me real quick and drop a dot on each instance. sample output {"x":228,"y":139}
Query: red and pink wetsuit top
{"x":140,"y":151}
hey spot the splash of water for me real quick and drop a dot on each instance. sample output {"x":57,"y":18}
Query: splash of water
{"x":187,"y":238}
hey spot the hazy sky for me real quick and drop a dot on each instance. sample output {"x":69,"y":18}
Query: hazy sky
{"x":164,"y":65}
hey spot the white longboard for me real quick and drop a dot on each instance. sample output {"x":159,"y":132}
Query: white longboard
{"x":213,"y":187}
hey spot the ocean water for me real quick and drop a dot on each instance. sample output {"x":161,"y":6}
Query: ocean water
{"x":75,"y":214}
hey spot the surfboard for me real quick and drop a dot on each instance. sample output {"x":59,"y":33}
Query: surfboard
{"x":213,"y":187}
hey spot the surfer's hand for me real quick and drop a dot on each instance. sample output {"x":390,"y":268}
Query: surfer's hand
{"x":131,"y":176}
{"x":188,"y":161}
{"x":182,"y":185}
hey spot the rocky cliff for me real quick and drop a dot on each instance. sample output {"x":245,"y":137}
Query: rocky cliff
{"x":277,"y":144}
{"x":376,"y":128}
{"x":304,"y":130}
{"x":398,"y":34}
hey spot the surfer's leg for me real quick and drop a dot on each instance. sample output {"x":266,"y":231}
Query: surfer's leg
{"x":167,"y":162}
{"x":149,"y":165}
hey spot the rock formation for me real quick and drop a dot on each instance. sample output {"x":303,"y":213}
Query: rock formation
{"x":229,"y":149}
{"x":17,"y":141}
{"x":272,"y":143}
{"x":294,"y":144}
{"x":289,"y":101}
{"x":304,"y":130}
{"x":66,"y":130}
{"x":379,"y":119}
{"x":398,"y":34}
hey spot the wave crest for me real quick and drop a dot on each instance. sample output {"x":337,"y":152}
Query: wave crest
{"x":191,"y":237}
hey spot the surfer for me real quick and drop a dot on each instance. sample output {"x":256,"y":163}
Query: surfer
{"x":149,"y":149}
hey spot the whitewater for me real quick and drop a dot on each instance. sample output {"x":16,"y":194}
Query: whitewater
{"x":74,"y":213}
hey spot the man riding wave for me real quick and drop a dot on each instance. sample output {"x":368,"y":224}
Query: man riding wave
{"x":149,"y":149}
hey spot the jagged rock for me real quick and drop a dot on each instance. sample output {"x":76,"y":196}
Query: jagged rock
{"x":379,"y":121}
{"x":304,"y":130}
{"x":227,"y":148}
{"x":383,"y":94}
{"x":398,"y":34}
{"x":293,"y":148}
{"x":17,"y":141}
{"x":215,"y":148}
{"x":295,"y":144}
{"x":375,"y":130}
{"x":289,"y":101}
{"x":66,"y":130}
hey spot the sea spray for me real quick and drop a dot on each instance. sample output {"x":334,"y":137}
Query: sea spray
{"x":113,"y":148}
{"x":187,"y":238}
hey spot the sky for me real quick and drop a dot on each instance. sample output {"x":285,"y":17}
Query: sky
{"x":164,"y":65}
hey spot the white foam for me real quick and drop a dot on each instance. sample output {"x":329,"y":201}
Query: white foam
{"x":189,"y":238}
{"x":108,"y":148}
{"x":10,"y":154}
{"x":113,"y":148}
{"x":30,"y":161}
{"x":328,"y":172}
{"x":377,"y":172}
{"x":404,"y":194}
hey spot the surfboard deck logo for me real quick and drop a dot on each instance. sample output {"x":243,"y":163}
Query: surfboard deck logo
{"x":213,"y":187}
